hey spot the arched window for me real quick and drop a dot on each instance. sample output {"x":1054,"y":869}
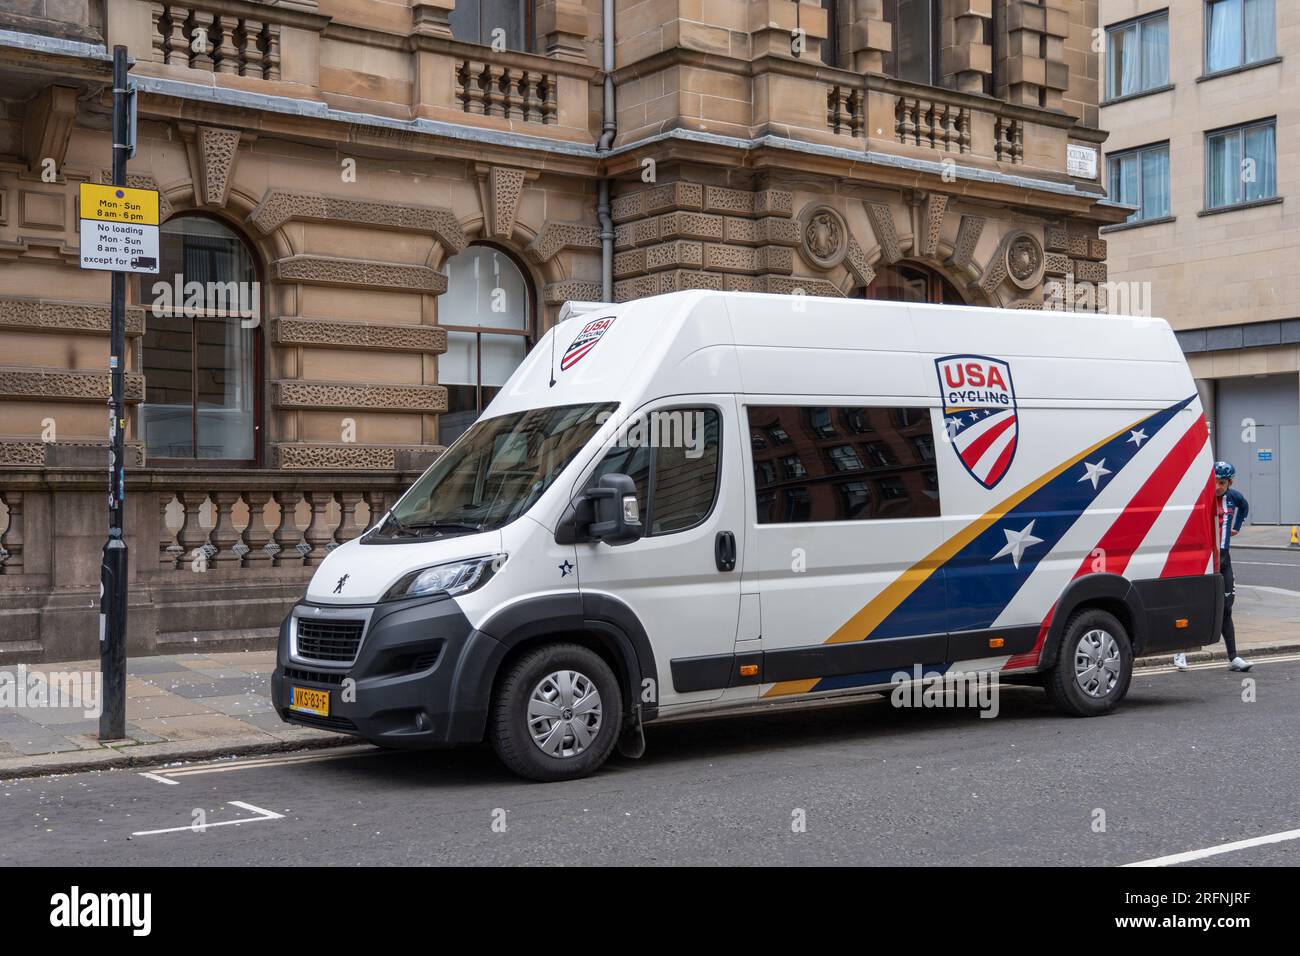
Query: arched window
{"x":487,"y":311}
{"x":475,"y":21}
{"x":200,"y":350}
{"x":911,"y":282}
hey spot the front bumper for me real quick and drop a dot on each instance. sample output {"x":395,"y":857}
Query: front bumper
{"x":422,"y":676}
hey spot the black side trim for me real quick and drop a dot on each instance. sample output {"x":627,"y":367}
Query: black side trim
{"x":692,"y":674}
{"x":1197,"y":599}
{"x":971,"y":645}
{"x":856,"y":657}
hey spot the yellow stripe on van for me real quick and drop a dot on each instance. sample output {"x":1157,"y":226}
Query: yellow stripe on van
{"x":861,"y":624}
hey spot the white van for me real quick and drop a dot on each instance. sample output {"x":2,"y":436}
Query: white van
{"x":706,"y":500}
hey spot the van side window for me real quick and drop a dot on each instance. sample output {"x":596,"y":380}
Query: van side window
{"x":672,"y":457}
{"x":881,"y":466}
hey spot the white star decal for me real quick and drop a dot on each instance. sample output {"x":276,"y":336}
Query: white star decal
{"x":1137,"y":436}
{"x":974,"y":416}
{"x":1017,"y":542}
{"x":1093,"y":472}
{"x":953,"y":424}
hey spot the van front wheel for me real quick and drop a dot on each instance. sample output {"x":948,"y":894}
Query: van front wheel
{"x":1094,"y":666}
{"x":556,"y":713}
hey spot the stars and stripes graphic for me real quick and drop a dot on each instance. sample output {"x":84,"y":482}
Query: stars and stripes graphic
{"x":1138,"y":504}
{"x":985,"y":440}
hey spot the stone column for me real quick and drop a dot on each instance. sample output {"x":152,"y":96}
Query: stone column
{"x":966,"y":56}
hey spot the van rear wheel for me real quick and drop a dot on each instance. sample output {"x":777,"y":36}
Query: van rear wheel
{"x":1094,"y":666}
{"x":556,"y":713}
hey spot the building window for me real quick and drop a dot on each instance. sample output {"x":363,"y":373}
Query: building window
{"x":200,"y":348}
{"x":1140,"y":177}
{"x":891,"y":475}
{"x":910,"y":282}
{"x":1238,"y":33}
{"x":915,"y":54}
{"x":478,"y":21}
{"x":1137,"y":55}
{"x":1241,"y":165}
{"x":487,"y":311}
{"x":831,"y":45}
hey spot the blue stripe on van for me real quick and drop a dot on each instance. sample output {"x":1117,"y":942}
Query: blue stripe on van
{"x":974,"y":587}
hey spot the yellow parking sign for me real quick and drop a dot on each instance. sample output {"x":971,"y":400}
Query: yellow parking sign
{"x":119,"y":204}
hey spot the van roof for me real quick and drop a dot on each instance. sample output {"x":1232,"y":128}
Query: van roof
{"x":698,"y":342}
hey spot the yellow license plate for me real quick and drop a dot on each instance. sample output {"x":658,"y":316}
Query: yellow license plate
{"x":311,"y":701}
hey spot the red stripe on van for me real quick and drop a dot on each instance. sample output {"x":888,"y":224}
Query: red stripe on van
{"x":1195,"y":543}
{"x":1125,"y":535}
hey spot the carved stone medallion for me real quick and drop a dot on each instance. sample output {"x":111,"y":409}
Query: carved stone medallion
{"x":1025,"y":260}
{"x":824,"y":236}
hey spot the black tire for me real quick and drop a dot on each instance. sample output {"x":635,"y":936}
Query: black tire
{"x":1063,"y":687}
{"x":508,"y":725}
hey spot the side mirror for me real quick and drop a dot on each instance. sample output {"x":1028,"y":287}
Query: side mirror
{"x":617,"y":518}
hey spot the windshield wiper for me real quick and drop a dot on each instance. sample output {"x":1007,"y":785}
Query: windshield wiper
{"x":399,"y":527}
{"x":443,"y":526}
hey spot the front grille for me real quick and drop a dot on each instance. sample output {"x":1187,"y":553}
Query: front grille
{"x":340,"y":724}
{"x":316,"y":677}
{"x":333,"y":640}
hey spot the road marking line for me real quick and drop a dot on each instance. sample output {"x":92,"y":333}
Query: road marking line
{"x":1176,"y":858}
{"x":252,"y":763}
{"x":1212,"y":665}
{"x":1260,"y":587}
{"x":261,"y":815}
{"x":161,"y":779}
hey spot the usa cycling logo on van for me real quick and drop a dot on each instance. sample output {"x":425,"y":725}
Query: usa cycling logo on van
{"x":979,"y":410}
{"x":585,"y":342}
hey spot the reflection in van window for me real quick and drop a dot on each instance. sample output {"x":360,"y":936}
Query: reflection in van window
{"x":672,"y":458}
{"x":888,"y":472}
{"x":495,"y":471}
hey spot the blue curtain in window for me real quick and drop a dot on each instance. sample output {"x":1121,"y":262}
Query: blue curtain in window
{"x":1223,"y":42}
{"x":1261,"y":30}
{"x":1124,"y":181}
{"x":1126,"y":62}
{"x":1155,"y":53}
{"x":1155,"y":183}
{"x":1259,"y":172}
{"x":1222,"y":171}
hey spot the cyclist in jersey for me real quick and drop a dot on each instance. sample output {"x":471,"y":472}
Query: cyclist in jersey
{"x":1233,"y":510}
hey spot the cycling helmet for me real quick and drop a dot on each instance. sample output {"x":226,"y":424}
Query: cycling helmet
{"x":1224,"y":469}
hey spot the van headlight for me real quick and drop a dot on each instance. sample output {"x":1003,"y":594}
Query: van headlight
{"x":456,"y":577}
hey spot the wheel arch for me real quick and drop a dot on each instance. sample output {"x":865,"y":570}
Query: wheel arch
{"x":1112,"y":593}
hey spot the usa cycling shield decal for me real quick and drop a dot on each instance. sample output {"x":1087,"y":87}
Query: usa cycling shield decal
{"x":979,"y":410}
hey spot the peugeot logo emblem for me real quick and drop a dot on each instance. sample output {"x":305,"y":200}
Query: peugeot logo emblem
{"x":338,"y":588}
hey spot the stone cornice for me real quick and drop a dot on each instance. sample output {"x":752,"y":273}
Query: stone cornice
{"x":51,"y":315}
{"x":59,"y":385}
{"x":324,"y":333}
{"x":359,"y":273}
{"x":360,"y":397}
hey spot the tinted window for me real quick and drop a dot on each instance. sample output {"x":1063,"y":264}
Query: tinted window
{"x":673,"y":459}
{"x":882,"y":468}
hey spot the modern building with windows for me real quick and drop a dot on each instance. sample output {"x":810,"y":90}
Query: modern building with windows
{"x":373,"y":208}
{"x":1200,"y":100}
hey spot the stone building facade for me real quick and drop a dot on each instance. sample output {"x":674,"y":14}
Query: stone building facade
{"x":1214,"y":243}
{"x":412,"y":190}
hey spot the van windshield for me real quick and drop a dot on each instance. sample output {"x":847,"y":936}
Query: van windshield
{"x":494,"y":472}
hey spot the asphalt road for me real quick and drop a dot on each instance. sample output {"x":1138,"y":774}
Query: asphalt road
{"x":1184,"y":765}
{"x":1267,"y":567}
